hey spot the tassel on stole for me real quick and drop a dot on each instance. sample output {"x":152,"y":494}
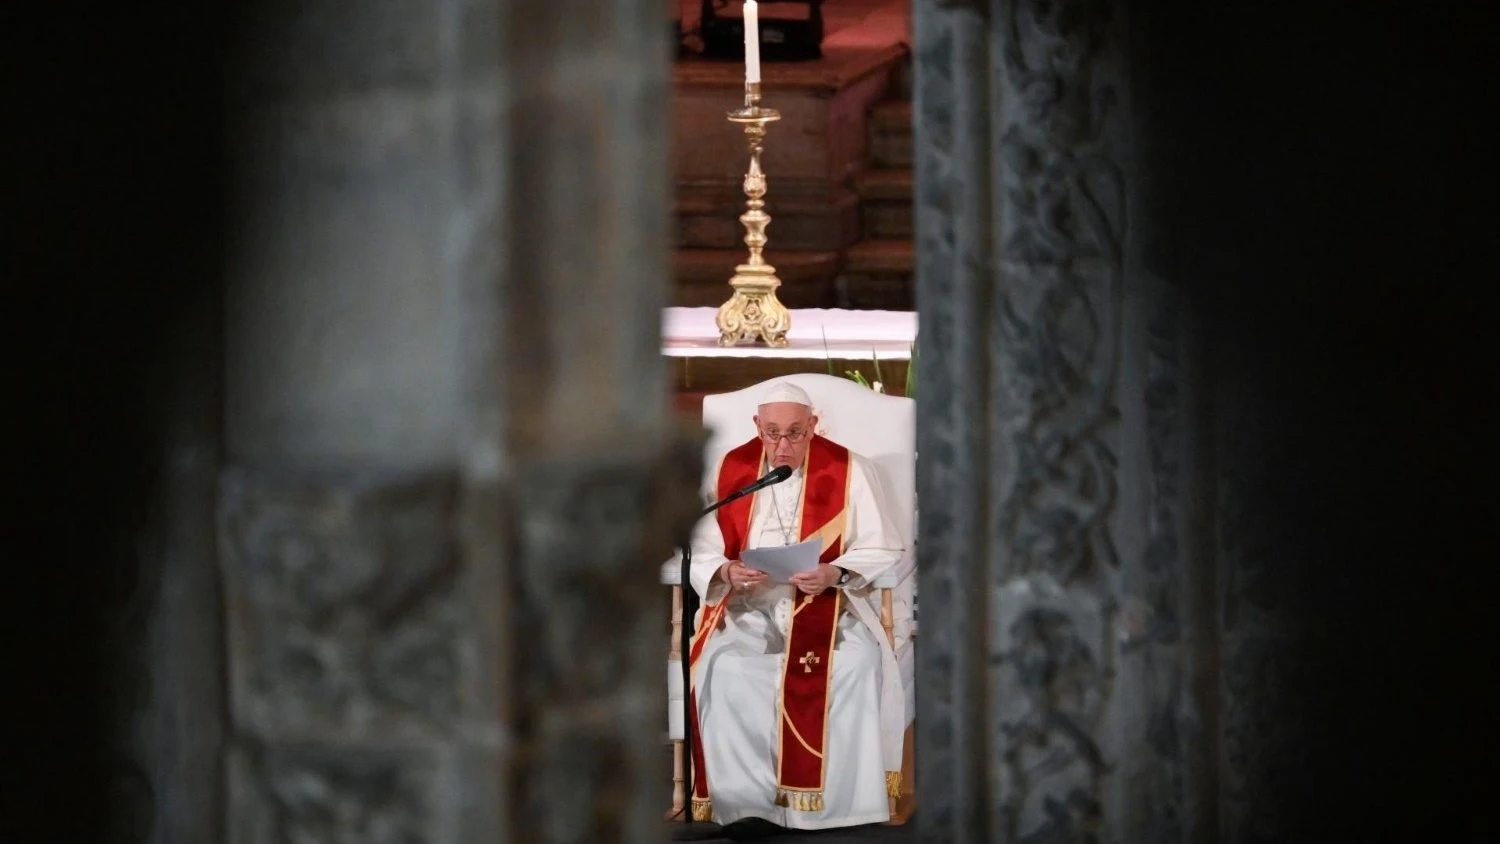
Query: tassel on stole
{"x":800,"y":801}
{"x":893,"y":784}
{"x":703,"y":811}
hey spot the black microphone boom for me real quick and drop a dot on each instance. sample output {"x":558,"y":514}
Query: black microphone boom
{"x":690,"y":609}
{"x":775,"y":476}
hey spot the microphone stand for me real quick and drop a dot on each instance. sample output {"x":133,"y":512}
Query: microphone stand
{"x":689,"y":613}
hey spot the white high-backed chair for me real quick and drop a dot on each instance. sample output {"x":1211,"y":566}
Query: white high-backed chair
{"x":879,"y":427}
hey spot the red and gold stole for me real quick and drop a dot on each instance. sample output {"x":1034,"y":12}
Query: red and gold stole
{"x":803,"y":729}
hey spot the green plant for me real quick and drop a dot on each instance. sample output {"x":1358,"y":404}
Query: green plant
{"x":911,"y":373}
{"x":859,"y":378}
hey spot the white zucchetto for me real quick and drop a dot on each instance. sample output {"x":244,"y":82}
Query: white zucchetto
{"x":786,"y":391}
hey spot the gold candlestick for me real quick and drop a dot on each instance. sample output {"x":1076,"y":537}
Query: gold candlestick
{"x":753,"y":314}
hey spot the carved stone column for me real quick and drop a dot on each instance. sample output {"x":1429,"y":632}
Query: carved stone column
{"x":362,"y":597}
{"x":952,"y":127}
{"x":1055,"y":705}
{"x":598,"y":484}
{"x":451,"y":471}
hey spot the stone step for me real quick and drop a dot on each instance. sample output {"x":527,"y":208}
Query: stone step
{"x":881,"y":257}
{"x":902,"y":79}
{"x":885,"y":184}
{"x":878,"y":275}
{"x":885,"y":204}
{"x":893,"y":115}
{"x":891,"y":134}
{"x":702,"y":276}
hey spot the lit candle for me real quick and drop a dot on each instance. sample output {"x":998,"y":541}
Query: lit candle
{"x":752,"y":42}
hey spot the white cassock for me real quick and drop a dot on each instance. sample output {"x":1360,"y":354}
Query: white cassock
{"x":742,"y":664}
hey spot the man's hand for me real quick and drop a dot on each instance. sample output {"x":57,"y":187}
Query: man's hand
{"x":816,"y":581}
{"x":741,"y":576}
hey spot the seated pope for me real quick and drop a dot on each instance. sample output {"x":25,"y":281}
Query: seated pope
{"x":796,"y":692}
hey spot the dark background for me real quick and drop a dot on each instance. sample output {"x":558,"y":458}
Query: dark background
{"x":1322,"y":174}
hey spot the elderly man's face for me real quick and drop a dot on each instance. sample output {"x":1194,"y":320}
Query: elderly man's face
{"x":785,"y":430}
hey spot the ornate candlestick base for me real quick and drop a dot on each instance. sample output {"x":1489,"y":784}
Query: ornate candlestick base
{"x":754,"y":314}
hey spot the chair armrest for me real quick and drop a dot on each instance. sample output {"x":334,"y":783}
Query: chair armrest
{"x":892,"y":577}
{"x":671,"y":572}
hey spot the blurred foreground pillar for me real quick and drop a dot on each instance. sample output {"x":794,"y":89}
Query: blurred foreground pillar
{"x":448,"y":457}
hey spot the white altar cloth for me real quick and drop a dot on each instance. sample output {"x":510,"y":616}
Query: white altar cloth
{"x":851,"y":335}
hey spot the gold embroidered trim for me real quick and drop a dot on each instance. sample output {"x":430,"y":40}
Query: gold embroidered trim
{"x":893,"y":783}
{"x":800,"y":801}
{"x":800,"y":740}
{"x":831,"y":534}
{"x":703,"y":811}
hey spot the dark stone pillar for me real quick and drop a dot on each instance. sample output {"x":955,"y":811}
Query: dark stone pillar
{"x":361,"y":588}
{"x":952,"y":127}
{"x":451,"y":474}
{"x":1201,"y":424}
{"x":1063,"y":601}
{"x":597,"y":484}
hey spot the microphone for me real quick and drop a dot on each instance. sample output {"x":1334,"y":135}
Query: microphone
{"x":771,"y":478}
{"x":775,"y":476}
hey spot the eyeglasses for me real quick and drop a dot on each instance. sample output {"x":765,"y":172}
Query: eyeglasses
{"x":794,"y":436}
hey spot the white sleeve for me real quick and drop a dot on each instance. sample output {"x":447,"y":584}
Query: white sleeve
{"x":874,"y":544}
{"x":708,"y":558}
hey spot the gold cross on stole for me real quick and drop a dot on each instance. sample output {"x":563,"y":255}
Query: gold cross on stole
{"x":807,"y":662}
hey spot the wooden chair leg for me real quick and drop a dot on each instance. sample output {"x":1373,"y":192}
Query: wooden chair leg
{"x":679,"y":764}
{"x":679,"y":784}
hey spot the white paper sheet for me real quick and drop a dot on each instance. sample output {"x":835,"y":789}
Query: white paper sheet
{"x":780,"y":562}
